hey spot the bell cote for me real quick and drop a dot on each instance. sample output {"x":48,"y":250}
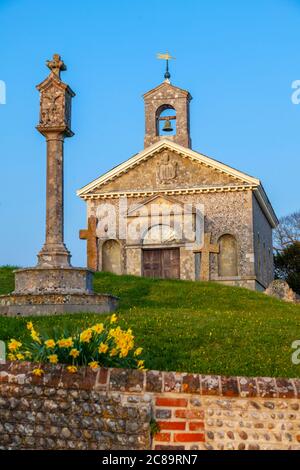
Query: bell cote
{"x":167,"y":115}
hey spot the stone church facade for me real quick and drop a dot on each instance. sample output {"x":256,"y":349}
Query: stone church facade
{"x":172,"y":212}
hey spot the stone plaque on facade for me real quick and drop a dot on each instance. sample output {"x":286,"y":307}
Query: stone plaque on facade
{"x":166,"y":169}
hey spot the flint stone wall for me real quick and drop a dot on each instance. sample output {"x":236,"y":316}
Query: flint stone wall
{"x":114,"y":409}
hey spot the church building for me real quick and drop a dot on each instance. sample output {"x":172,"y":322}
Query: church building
{"x":172,"y":212}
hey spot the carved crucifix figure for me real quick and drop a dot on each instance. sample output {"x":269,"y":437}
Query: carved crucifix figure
{"x":90,"y":236}
{"x":205,"y":251}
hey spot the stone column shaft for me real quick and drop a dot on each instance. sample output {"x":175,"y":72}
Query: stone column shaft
{"x":55,"y":203}
{"x":54,"y":252}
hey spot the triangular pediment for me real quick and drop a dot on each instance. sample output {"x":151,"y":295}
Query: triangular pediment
{"x":157,"y":205}
{"x":166,"y":88}
{"x":167,"y":165}
{"x":53,"y":82}
{"x":185,"y":171}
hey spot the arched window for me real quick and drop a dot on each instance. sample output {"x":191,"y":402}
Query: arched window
{"x":166,"y":120}
{"x":111,"y":257}
{"x":228,"y":257}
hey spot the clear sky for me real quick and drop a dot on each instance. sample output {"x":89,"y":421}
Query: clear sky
{"x":237,"y":58}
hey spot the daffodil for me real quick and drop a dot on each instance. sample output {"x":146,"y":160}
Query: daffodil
{"x":94,"y":365}
{"x":113,"y":318}
{"x":123,"y":352}
{"x":72,"y":369}
{"x":50,"y":343}
{"x":138,"y":351}
{"x":98,"y":328}
{"x":20,"y":357}
{"x":113,"y":352}
{"x":29,"y":325}
{"x":103,"y":348}
{"x":86,"y":335}
{"x":35,"y":336}
{"x":140,"y":364}
{"x":65,"y":342}
{"x":38,"y":372}
{"x":53,"y":359}
{"x":14,"y":345}
{"x":74,"y":353}
{"x":11,"y":357}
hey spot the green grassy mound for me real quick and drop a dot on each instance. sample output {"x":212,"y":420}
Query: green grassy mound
{"x":191,"y":326}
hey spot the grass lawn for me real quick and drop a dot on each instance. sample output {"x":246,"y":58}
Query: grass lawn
{"x":190,"y":326}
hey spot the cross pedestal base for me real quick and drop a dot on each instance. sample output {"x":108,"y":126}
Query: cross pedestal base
{"x":54,"y":255}
{"x":43,"y":280}
{"x":25,"y":305}
{"x":48,"y":291}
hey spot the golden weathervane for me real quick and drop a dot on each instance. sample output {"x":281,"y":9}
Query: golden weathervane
{"x":165,"y":56}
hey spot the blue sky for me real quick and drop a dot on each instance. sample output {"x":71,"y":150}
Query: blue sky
{"x":237,"y":58}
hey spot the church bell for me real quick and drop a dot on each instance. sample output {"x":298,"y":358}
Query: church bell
{"x":168,"y":126}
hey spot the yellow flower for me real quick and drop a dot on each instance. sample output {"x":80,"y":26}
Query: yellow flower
{"x":94,"y":365}
{"x":140,"y":365}
{"x":98,"y":328}
{"x":20,"y":357}
{"x":72,"y":369}
{"x":113,"y":352}
{"x":103,"y":348}
{"x":138,"y":351}
{"x":86,"y":335}
{"x":11,"y":357}
{"x":53,"y":358}
{"x":29,"y":325}
{"x":35,"y":336}
{"x":38,"y":372}
{"x":113,"y":318}
{"x":27,"y":354}
{"x":74,"y":353}
{"x":14,"y":345}
{"x":65,"y":342}
{"x":124,"y":340}
{"x":69,"y":342}
{"x":123,"y":352}
{"x":50,"y":343}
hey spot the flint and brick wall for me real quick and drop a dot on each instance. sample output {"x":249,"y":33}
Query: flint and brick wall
{"x":116,"y":409}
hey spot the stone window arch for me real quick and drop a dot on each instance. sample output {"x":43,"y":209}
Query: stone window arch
{"x":228,"y":256}
{"x":111,"y":257}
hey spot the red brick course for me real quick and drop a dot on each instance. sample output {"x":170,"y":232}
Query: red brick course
{"x":171,"y":402}
{"x":163,"y":437}
{"x":196,"y":426}
{"x":186,"y":437}
{"x":172,"y":425}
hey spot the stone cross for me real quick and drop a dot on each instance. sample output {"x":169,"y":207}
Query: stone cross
{"x":90,"y":236}
{"x":205,"y":251}
{"x":56,"y":65}
{"x":54,"y":125}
